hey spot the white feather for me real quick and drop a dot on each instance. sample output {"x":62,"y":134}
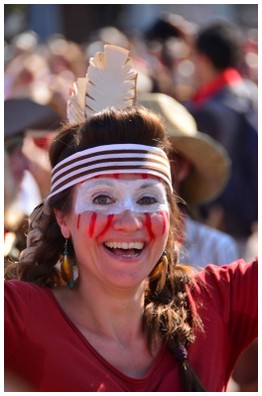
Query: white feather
{"x":110,"y":81}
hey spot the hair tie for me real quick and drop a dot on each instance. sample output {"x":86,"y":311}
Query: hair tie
{"x":181,"y":353}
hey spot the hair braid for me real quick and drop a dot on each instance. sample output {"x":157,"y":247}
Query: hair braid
{"x":167,"y":311}
{"x":37,"y":262}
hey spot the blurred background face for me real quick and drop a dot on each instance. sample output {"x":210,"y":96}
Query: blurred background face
{"x":18,"y":164}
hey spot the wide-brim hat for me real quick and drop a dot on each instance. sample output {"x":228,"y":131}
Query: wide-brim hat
{"x":23,"y":114}
{"x":211,"y":163}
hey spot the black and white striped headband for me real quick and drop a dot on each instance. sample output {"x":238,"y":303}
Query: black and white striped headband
{"x":110,"y":159}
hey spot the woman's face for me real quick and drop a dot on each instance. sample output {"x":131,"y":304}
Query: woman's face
{"x":119,"y":227}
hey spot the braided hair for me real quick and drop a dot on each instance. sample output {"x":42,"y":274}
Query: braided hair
{"x":167,"y":310}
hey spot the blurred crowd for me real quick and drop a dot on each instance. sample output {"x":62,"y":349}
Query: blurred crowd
{"x":164,"y":56}
{"x":163,"y":53}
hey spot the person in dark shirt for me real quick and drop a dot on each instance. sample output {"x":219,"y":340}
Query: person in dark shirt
{"x":225,"y":107}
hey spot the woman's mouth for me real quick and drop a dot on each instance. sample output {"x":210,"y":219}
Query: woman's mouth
{"x":125,"y":249}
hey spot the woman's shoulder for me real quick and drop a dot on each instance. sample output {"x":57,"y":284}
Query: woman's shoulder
{"x":228,"y":280}
{"x":15,"y":290}
{"x":237,"y":268}
{"x":15,"y":284}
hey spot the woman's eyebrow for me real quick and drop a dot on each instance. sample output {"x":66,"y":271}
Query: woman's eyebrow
{"x":113,"y":183}
{"x":148,"y":184}
{"x":97,"y":183}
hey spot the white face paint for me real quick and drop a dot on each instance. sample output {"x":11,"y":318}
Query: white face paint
{"x":113,"y":196}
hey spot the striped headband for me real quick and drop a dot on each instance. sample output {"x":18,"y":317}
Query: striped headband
{"x":109,"y":159}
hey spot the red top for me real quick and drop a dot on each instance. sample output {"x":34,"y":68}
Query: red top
{"x":46,"y":348}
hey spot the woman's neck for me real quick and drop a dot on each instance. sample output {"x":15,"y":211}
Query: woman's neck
{"x":113,"y":313}
{"x":112,"y":324}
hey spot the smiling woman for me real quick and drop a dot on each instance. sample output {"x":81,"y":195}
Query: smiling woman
{"x":114,"y":208}
{"x":132,"y":318}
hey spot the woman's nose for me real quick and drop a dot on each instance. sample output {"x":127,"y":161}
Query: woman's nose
{"x":128,"y":221}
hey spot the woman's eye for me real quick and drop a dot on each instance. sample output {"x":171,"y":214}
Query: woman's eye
{"x":103,"y":200}
{"x":147,"y":200}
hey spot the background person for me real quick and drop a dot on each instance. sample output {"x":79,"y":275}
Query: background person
{"x":200,"y":169}
{"x":27,"y":169}
{"x":225,"y":107}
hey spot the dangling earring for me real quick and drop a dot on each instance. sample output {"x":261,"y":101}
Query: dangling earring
{"x":164,"y":257}
{"x":163,"y":268}
{"x":67,"y":268}
{"x":159,"y":274}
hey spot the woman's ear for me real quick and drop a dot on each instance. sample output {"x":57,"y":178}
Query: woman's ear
{"x":62,"y":221}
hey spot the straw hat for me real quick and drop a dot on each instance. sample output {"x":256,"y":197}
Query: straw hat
{"x":211,"y":163}
{"x":23,"y":114}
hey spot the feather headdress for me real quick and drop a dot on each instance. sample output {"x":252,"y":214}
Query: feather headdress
{"x":110,"y":82}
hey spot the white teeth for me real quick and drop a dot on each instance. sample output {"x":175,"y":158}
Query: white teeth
{"x":125,"y":245}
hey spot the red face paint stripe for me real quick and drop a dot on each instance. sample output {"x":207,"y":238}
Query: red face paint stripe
{"x":92,"y":224}
{"x":148,"y":225}
{"x":164,"y":218}
{"x":78,"y":221}
{"x":108,"y":225}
